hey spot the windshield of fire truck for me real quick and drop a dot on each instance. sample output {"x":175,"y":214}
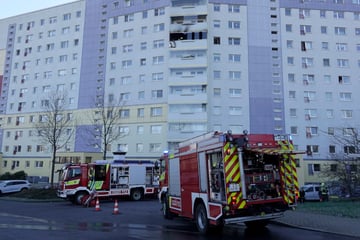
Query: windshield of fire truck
{"x":71,"y":172}
{"x":162,"y":165}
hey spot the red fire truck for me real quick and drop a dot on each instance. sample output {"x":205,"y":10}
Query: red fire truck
{"x":224,"y":178}
{"x":80,"y":183}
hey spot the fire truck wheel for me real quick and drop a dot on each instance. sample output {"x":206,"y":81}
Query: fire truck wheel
{"x":136,"y":194}
{"x":201,"y":219}
{"x":165,"y":208}
{"x":79,"y":197}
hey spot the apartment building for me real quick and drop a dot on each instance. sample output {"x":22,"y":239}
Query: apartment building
{"x":180,"y":68}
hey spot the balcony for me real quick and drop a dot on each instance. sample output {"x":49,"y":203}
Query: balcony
{"x":188,"y":60}
{"x":187,"y":98}
{"x":187,"y":79}
{"x":182,"y":7}
{"x":188,"y":27}
{"x":188,"y":44}
{"x":187,"y":116}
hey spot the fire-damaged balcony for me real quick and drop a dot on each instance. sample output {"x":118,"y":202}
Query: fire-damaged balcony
{"x":188,"y":30}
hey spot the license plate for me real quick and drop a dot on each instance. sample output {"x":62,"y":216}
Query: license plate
{"x":234,"y":187}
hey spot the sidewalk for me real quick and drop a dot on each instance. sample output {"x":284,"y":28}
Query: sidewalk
{"x":322,"y":223}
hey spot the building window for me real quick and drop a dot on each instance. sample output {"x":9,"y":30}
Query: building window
{"x":234,"y":75}
{"x":288,"y":27}
{"x":217,"y":92}
{"x":234,"y":41}
{"x":289,"y":44}
{"x":158,"y":60}
{"x":348,"y":132}
{"x":340,"y":30}
{"x":331,"y":149}
{"x":235,"y":92}
{"x":217,"y":74}
{"x":235,"y":111}
{"x":140,"y":130}
{"x":310,"y":149}
{"x":156,"y":111}
{"x":290,"y":60}
{"x":305,"y":29}
{"x":156,"y":94}
{"x":143,"y":45}
{"x":129,"y":18}
{"x":155,"y":147}
{"x":234,"y":8}
{"x":139,"y":147}
{"x":123,"y":147}
{"x":157,"y":76}
{"x":338,"y":14}
{"x":234,"y":24}
{"x":326,"y":62}
{"x":345,"y":96}
{"x":216,"y":40}
{"x":159,"y":27}
{"x":124,"y":130}
{"x":287,"y":11}
{"x":159,"y":11}
{"x":294,"y":130}
{"x":140,"y":112}
{"x":158,"y":43}
{"x":234,"y":57}
{"x":155,"y":129}
{"x":292,"y":112}
{"x":124,"y":113}
{"x":342,"y":63}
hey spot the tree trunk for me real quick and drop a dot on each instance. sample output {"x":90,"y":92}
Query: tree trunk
{"x":53,"y":168}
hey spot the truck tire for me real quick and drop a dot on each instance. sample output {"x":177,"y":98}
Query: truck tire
{"x":79,"y":197}
{"x":201,"y":220}
{"x":259,"y":224}
{"x":136,"y":194}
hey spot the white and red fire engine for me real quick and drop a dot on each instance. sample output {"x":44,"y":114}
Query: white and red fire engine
{"x":82,"y":182}
{"x":223,"y":178}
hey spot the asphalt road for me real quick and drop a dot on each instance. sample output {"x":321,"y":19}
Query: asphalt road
{"x":136,"y":220}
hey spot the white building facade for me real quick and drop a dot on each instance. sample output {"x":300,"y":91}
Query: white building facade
{"x":180,"y":69}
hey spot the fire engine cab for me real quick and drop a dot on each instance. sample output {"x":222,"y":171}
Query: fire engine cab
{"x":224,"y":178}
{"x":80,"y":183}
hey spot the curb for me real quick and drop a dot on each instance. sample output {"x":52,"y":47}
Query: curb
{"x":29,"y":199}
{"x":282,"y":223}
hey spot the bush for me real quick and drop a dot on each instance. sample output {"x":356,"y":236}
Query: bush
{"x":21,"y":175}
{"x":334,"y":207}
{"x":34,"y":193}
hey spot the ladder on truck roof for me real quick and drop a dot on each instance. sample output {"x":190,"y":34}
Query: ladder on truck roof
{"x":200,"y":138}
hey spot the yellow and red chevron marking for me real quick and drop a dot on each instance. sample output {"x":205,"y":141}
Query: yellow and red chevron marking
{"x":283,"y":183}
{"x":232,"y":174}
{"x":291,"y":180}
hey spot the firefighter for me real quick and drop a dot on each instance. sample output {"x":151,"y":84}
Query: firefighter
{"x":302,"y":195}
{"x":324,"y":193}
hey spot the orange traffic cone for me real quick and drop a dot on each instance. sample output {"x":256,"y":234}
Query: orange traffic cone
{"x":97,"y":205}
{"x":116,"y":207}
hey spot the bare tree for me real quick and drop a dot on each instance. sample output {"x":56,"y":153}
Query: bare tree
{"x":346,"y":161}
{"x":104,"y":130}
{"x":54,"y":126}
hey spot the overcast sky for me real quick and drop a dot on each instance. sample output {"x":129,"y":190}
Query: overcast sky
{"x":11,"y":8}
